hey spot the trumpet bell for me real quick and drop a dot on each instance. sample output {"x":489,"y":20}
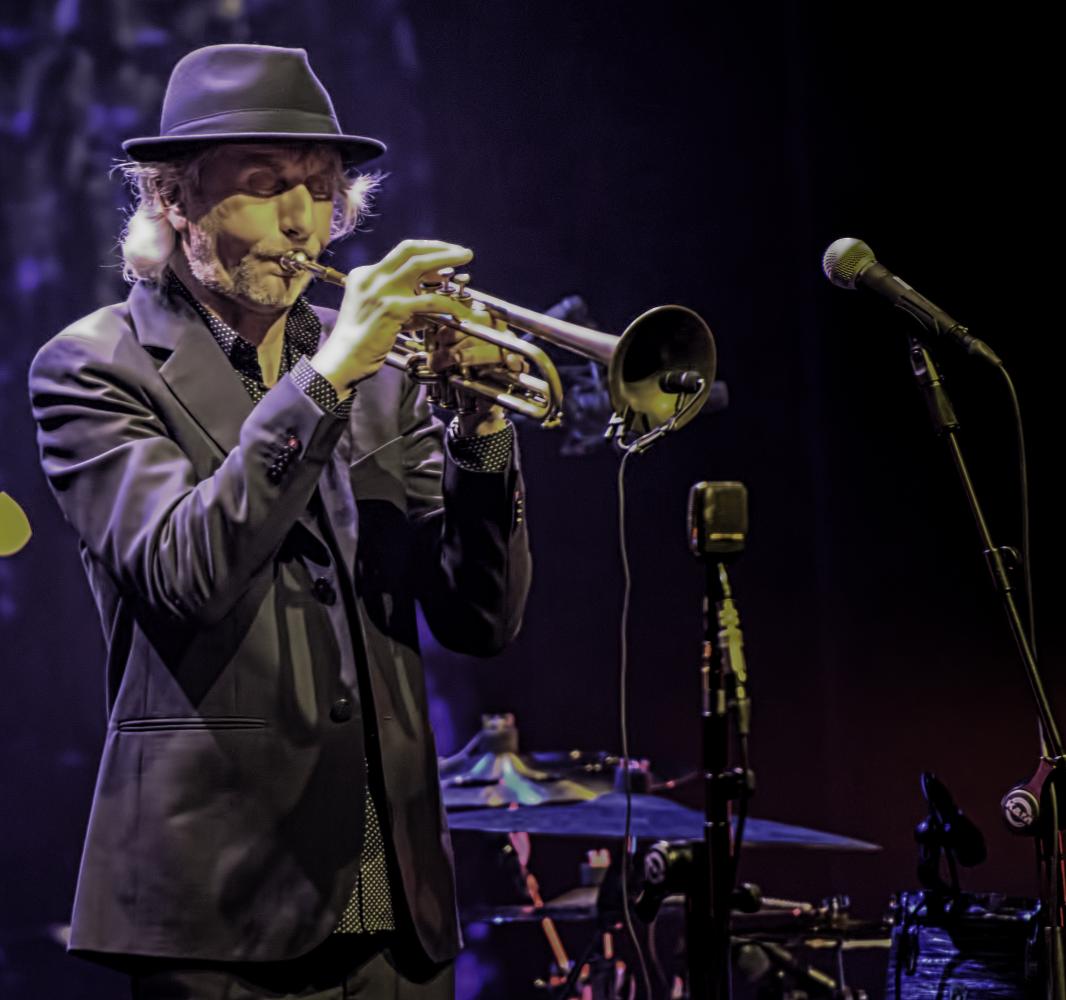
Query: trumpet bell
{"x":664,"y":339}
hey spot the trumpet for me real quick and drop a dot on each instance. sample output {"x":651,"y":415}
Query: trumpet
{"x":659,"y":370}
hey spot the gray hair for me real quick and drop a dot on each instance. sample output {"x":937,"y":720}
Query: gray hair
{"x":148,"y":240}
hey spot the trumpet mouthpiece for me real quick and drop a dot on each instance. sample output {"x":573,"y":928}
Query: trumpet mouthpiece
{"x":291,"y":262}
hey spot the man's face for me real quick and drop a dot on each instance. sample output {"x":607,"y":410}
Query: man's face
{"x":254,"y":203}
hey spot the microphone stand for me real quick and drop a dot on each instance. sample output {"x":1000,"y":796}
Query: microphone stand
{"x":706,"y":870}
{"x":709,"y":903}
{"x":1000,"y":561}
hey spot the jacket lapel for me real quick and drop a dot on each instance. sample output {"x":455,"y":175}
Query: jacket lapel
{"x":197,"y":371}
{"x":205,"y":383}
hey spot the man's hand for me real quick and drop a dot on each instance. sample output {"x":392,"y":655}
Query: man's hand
{"x":380,"y":299}
{"x":480,"y":358}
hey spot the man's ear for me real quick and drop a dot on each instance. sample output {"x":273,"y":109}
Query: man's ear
{"x":176,"y":217}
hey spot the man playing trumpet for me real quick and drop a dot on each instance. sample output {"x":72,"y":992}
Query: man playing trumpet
{"x":259,"y":505}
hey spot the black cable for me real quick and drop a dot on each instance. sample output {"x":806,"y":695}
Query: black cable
{"x":1055,"y":889}
{"x":623,"y":716}
{"x":1023,"y":492}
{"x":640,"y":445}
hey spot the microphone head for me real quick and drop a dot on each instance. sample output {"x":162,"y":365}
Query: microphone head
{"x":845,"y":260}
{"x":717,"y":519}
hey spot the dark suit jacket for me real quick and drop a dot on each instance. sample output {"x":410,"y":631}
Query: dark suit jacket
{"x":228,"y":814}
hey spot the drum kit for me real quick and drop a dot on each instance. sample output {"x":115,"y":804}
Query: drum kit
{"x":491,"y":787}
{"x":940,"y":942}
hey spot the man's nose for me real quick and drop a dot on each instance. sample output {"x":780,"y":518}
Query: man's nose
{"x":295,"y":212}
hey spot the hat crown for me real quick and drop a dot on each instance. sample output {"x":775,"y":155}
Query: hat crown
{"x":226,"y":80}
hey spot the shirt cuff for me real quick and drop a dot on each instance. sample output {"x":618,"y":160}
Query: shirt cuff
{"x":481,"y":453}
{"x":320,"y":389}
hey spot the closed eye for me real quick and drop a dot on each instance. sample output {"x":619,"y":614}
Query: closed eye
{"x":267,"y":184}
{"x":263,"y":183}
{"x":321,"y":187}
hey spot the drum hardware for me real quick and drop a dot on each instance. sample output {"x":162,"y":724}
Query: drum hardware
{"x":945,"y":831}
{"x":598,"y":973}
{"x":964,"y":944}
{"x":771,"y":956}
{"x":669,"y":870}
{"x":789,"y":977}
{"x":523,"y":849}
{"x":767,"y":932}
{"x":777,"y":919}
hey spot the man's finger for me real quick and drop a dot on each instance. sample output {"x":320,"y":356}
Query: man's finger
{"x":404,"y":307}
{"x":399,"y":253}
{"x":403,"y":252}
{"x":411,"y":271}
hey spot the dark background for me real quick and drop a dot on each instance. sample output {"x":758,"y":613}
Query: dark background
{"x":700,"y":153}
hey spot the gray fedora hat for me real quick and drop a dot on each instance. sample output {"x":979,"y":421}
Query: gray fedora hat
{"x":247,"y":93}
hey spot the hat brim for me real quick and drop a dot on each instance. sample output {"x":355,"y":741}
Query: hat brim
{"x":354,"y":149}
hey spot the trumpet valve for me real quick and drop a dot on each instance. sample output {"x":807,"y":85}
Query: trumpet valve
{"x":438,"y":281}
{"x":460,"y":281}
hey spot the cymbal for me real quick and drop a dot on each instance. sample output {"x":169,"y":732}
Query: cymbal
{"x":653,"y":818}
{"x":501,"y":779}
{"x":490,"y":772}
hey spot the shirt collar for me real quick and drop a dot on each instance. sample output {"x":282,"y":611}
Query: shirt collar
{"x":302,"y":328}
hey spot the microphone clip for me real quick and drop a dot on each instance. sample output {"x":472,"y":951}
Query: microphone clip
{"x":1022,"y":805}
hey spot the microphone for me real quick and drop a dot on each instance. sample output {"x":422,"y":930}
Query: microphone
{"x":680,"y":381}
{"x":849,"y":262}
{"x":717,"y":520}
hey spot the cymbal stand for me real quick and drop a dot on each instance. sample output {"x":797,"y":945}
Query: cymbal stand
{"x":598,"y":974}
{"x":522,"y":847}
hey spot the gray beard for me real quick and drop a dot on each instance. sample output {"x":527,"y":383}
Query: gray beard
{"x":243,"y":283}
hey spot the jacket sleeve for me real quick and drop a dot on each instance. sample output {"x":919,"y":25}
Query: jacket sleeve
{"x":187,"y":547}
{"x":473,"y":547}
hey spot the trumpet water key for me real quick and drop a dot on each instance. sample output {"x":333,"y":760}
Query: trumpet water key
{"x":663,"y":343}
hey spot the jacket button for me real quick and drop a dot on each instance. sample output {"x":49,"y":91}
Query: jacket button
{"x":341,"y":710}
{"x":323,"y":590}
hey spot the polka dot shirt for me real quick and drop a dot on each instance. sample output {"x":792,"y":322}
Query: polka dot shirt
{"x":487,"y":453}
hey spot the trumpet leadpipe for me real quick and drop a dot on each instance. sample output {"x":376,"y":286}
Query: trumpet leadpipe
{"x":296,"y":261}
